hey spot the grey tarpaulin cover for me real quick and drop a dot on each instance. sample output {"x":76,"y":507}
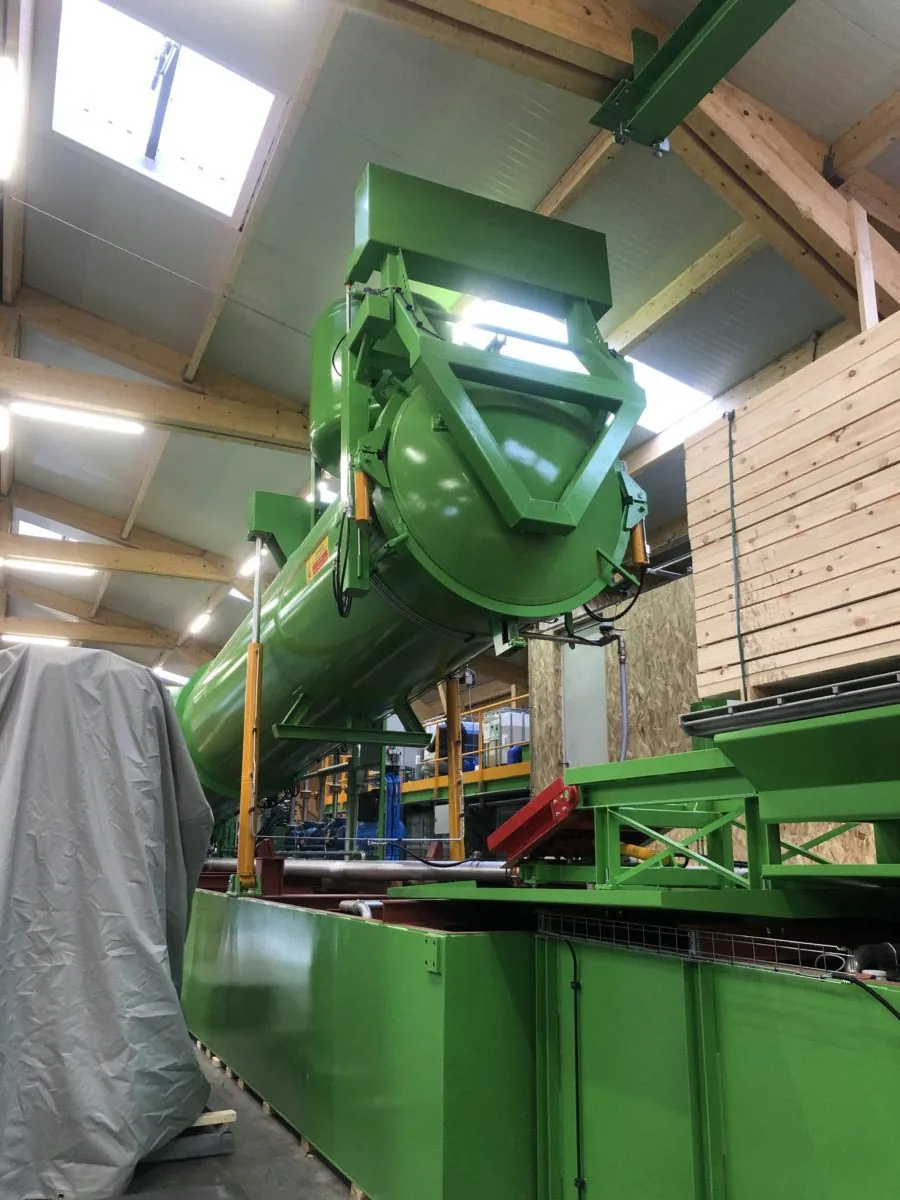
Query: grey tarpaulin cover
{"x":103,"y":832}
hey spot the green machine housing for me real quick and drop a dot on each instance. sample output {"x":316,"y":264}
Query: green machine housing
{"x":476,"y":490}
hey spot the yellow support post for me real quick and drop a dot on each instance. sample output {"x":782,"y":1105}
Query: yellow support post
{"x":246,"y":880}
{"x":454,"y":768}
{"x":246,"y":848}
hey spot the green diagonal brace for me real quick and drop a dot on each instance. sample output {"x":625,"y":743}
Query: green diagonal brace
{"x":683,"y":847}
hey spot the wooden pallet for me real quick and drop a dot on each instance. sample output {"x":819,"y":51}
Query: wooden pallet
{"x":816,"y":466}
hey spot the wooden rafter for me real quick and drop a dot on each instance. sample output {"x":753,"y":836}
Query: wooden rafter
{"x":165,"y":407}
{"x":194,"y":649}
{"x":90,"y":632}
{"x":880,"y":199}
{"x":867,"y":139}
{"x":734,"y":128}
{"x":89,"y":520}
{"x":146,"y":357}
{"x":17,"y":34}
{"x":112,"y":558}
{"x":699,"y":278}
{"x":600,"y":151}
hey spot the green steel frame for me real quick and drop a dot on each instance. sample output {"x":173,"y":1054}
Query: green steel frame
{"x":839,"y":769}
{"x":668,"y":81}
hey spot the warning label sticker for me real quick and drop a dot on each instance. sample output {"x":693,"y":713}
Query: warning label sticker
{"x":317,"y":560}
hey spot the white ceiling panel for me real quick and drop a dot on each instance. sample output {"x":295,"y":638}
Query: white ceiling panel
{"x":201,"y":489}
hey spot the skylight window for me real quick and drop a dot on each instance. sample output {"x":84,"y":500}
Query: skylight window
{"x":132,"y":94}
{"x":668,"y":400}
{"x":29,"y":529}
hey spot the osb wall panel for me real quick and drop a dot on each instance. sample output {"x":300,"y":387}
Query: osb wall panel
{"x":545,"y":705}
{"x":662,"y":672}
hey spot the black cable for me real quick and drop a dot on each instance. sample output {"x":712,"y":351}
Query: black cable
{"x":617,"y":616}
{"x":735,"y":569}
{"x":339,"y":573}
{"x":334,"y":355}
{"x":431,"y":862}
{"x":575,"y":984}
{"x":861,"y":983}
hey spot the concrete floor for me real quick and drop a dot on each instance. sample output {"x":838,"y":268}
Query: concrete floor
{"x":266,"y":1163}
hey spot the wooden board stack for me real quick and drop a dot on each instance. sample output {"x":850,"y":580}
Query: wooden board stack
{"x":816,"y":462}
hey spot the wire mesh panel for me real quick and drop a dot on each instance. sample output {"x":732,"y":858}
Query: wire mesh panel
{"x":703,"y":945}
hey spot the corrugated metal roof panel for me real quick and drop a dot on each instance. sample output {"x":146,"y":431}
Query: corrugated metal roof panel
{"x":201,"y":487}
{"x":658,"y":218}
{"x":761,"y":310}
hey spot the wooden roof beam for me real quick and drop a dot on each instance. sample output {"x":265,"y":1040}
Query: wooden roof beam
{"x":89,"y":520}
{"x":89,"y":632}
{"x":166,"y":407}
{"x":733,"y":127}
{"x":699,"y":278}
{"x":600,"y":151}
{"x":867,"y":139}
{"x":880,"y":199}
{"x":111,"y":558}
{"x":140,"y":354}
{"x":194,"y":650}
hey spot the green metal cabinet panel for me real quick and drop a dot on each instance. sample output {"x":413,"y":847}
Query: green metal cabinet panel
{"x":703,"y":1081}
{"x":404,"y":1055}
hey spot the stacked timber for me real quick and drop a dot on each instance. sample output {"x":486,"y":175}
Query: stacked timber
{"x":815,"y":462}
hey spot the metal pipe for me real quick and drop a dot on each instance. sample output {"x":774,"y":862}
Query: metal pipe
{"x":360,"y":908}
{"x":396,"y":872}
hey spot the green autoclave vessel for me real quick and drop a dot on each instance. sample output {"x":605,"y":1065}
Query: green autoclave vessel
{"x":477,"y":490}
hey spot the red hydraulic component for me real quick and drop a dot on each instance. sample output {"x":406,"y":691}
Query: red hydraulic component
{"x":532,"y":825}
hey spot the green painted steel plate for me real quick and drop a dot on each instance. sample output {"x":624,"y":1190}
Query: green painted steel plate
{"x":455,"y":528}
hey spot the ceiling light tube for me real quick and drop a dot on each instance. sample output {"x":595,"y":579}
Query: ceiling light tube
{"x":200,"y":622}
{"x":75,"y":416}
{"x":47,"y":568}
{"x":238,"y":595}
{"x":33,"y":638}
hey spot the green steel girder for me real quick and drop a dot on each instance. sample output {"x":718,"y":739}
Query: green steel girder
{"x":670,"y":80}
{"x":283,"y":522}
{"x":342,"y":734}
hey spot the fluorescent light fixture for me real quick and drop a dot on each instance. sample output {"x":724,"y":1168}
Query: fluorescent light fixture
{"x":170,"y":676}
{"x":326,"y":494}
{"x":46,"y":568}
{"x":74,"y":416}
{"x":5,"y":422}
{"x":248,"y":566}
{"x":238,"y":595}
{"x":133,"y":94}
{"x":32,"y":638}
{"x":200,"y":622}
{"x":11,"y":107}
